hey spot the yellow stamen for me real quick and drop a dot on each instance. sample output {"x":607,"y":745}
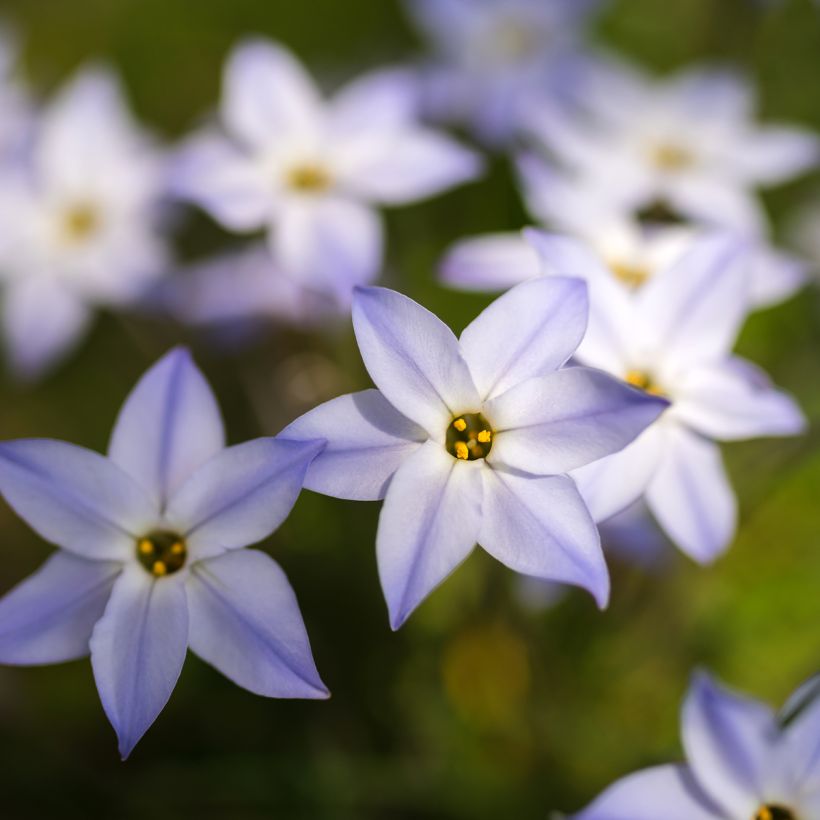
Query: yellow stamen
{"x":460,"y":425}
{"x":643,"y":381}
{"x":309,"y":178}
{"x":146,"y":547}
{"x":462,"y":451}
{"x":671,"y":157}
{"x":631,"y":275}
{"x":485,"y":436}
{"x":178,"y":548}
{"x":159,"y":569}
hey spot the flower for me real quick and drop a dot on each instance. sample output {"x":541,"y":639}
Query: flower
{"x":311,"y":170}
{"x":79,"y":221}
{"x":15,"y":107}
{"x":494,"y":56}
{"x":150,"y":563}
{"x":673,"y":337}
{"x":685,"y":146}
{"x":742,"y":763}
{"x":468,"y":440}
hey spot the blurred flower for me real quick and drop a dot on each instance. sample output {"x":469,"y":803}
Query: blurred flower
{"x":742,"y":763}
{"x":150,"y":564}
{"x":687,"y":146}
{"x":467,"y":440}
{"x":673,"y":338}
{"x":492,"y":56}
{"x":311,"y":170}
{"x":78,"y":219}
{"x":15,"y":107}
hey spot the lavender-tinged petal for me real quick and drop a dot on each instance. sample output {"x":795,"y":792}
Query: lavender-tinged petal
{"x":774,"y":154}
{"x":560,"y":422}
{"x":728,"y":740}
{"x":691,"y":497}
{"x":383,"y":99}
{"x":413,"y":358}
{"x":49,"y":617}
{"x":367,"y":441}
{"x":245,"y":621}
{"x":241,"y":495}
{"x":491,"y":262}
{"x":709,"y":200}
{"x":169,"y":426}
{"x":429,"y":524}
{"x":541,"y":323}
{"x":74,"y":497}
{"x":138,"y":649}
{"x":775,"y":276}
{"x":541,"y":527}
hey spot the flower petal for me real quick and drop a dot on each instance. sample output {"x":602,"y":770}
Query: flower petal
{"x":669,"y":792}
{"x":559,"y":422}
{"x":386,"y":98}
{"x":428,"y":525}
{"x":775,"y":276}
{"x":267,"y":93}
{"x":413,"y":358}
{"x":137,"y":651}
{"x":74,"y":497}
{"x":367,"y":440}
{"x":541,"y":527}
{"x":728,"y":741}
{"x":541,"y":322}
{"x":774,"y":154}
{"x":48,"y":617}
{"x":495,"y":261}
{"x":690,"y":495}
{"x":241,"y":495}
{"x":245,"y":621}
{"x":169,"y":425}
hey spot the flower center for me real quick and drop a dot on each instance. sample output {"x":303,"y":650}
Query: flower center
{"x":670,"y":157}
{"x":643,"y":381}
{"x":633,"y":276}
{"x":658,"y":212}
{"x":162,"y":552}
{"x":772,"y":812}
{"x":80,"y":221}
{"x":469,"y":437}
{"x":309,"y":178}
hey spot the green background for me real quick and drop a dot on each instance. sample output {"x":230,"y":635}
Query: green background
{"x":480,"y":707}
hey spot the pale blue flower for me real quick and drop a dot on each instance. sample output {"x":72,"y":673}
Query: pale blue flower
{"x":310,"y":170}
{"x":742,"y":763}
{"x":468,"y":440}
{"x":150,"y":563}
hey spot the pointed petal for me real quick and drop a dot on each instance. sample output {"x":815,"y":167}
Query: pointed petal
{"x":428,"y":525}
{"x":734,"y":400}
{"x":728,"y":741}
{"x":48,"y":618}
{"x":386,"y":98}
{"x":74,"y":497}
{"x":710,"y":200}
{"x":413,"y":358}
{"x":774,"y":154}
{"x":267,"y":93}
{"x":241,"y":495}
{"x":559,"y":422}
{"x":691,"y":497}
{"x":775,"y":276}
{"x":245,"y":621}
{"x":541,"y":322}
{"x":669,"y":792}
{"x":137,"y":651}
{"x":541,"y":527}
{"x":495,"y":261}
{"x":169,"y":425}
{"x":367,"y":440}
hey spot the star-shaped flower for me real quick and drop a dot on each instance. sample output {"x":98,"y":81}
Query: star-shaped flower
{"x":150,"y":563}
{"x":311,"y":170}
{"x":79,"y":213}
{"x":742,"y":763}
{"x":673,"y":338}
{"x":468,"y":440}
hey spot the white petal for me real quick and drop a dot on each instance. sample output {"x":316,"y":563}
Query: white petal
{"x":428,"y":525}
{"x":541,"y":323}
{"x":713,"y":201}
{"x":541,"y":527}
{"x":245,"y":621}
{"x":690,"y":495}
{"x":491,"y":262}
{"x":413,"y":358}
{"x":137,"y":651}
{"x":775,"y":276}
{"x":169,"y":425}
{"x":367,"y":440}
{"x":48,"y":618}
{"x":562,"y":421}
{"x":774,"y":154}
{"x":383,"y":99}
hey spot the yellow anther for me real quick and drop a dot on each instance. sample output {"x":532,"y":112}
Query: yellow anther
{"x":309,"y":178}
{"x":161,"y":552}
{"x":632,"y":276}
{"x":178,"y":548}
{"x":643,"y":381}
{"x":485,"y":436}
{"x":774,"y":812}
{"x":462,"y":451}
{"x":671,"y":157}
{"x":460,"y":425}
{"x":159,"y":569}
{"x":146,"y":547}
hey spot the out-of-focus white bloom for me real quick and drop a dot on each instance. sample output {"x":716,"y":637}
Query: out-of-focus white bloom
{"x":688,"y":144}
{"x":78,"y":221}
{"x":15,"y":111}
{"x":311,"y":170}
{"x":492,"y":56}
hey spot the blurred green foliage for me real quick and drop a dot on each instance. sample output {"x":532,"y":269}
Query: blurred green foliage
{"x":479,"y":708}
